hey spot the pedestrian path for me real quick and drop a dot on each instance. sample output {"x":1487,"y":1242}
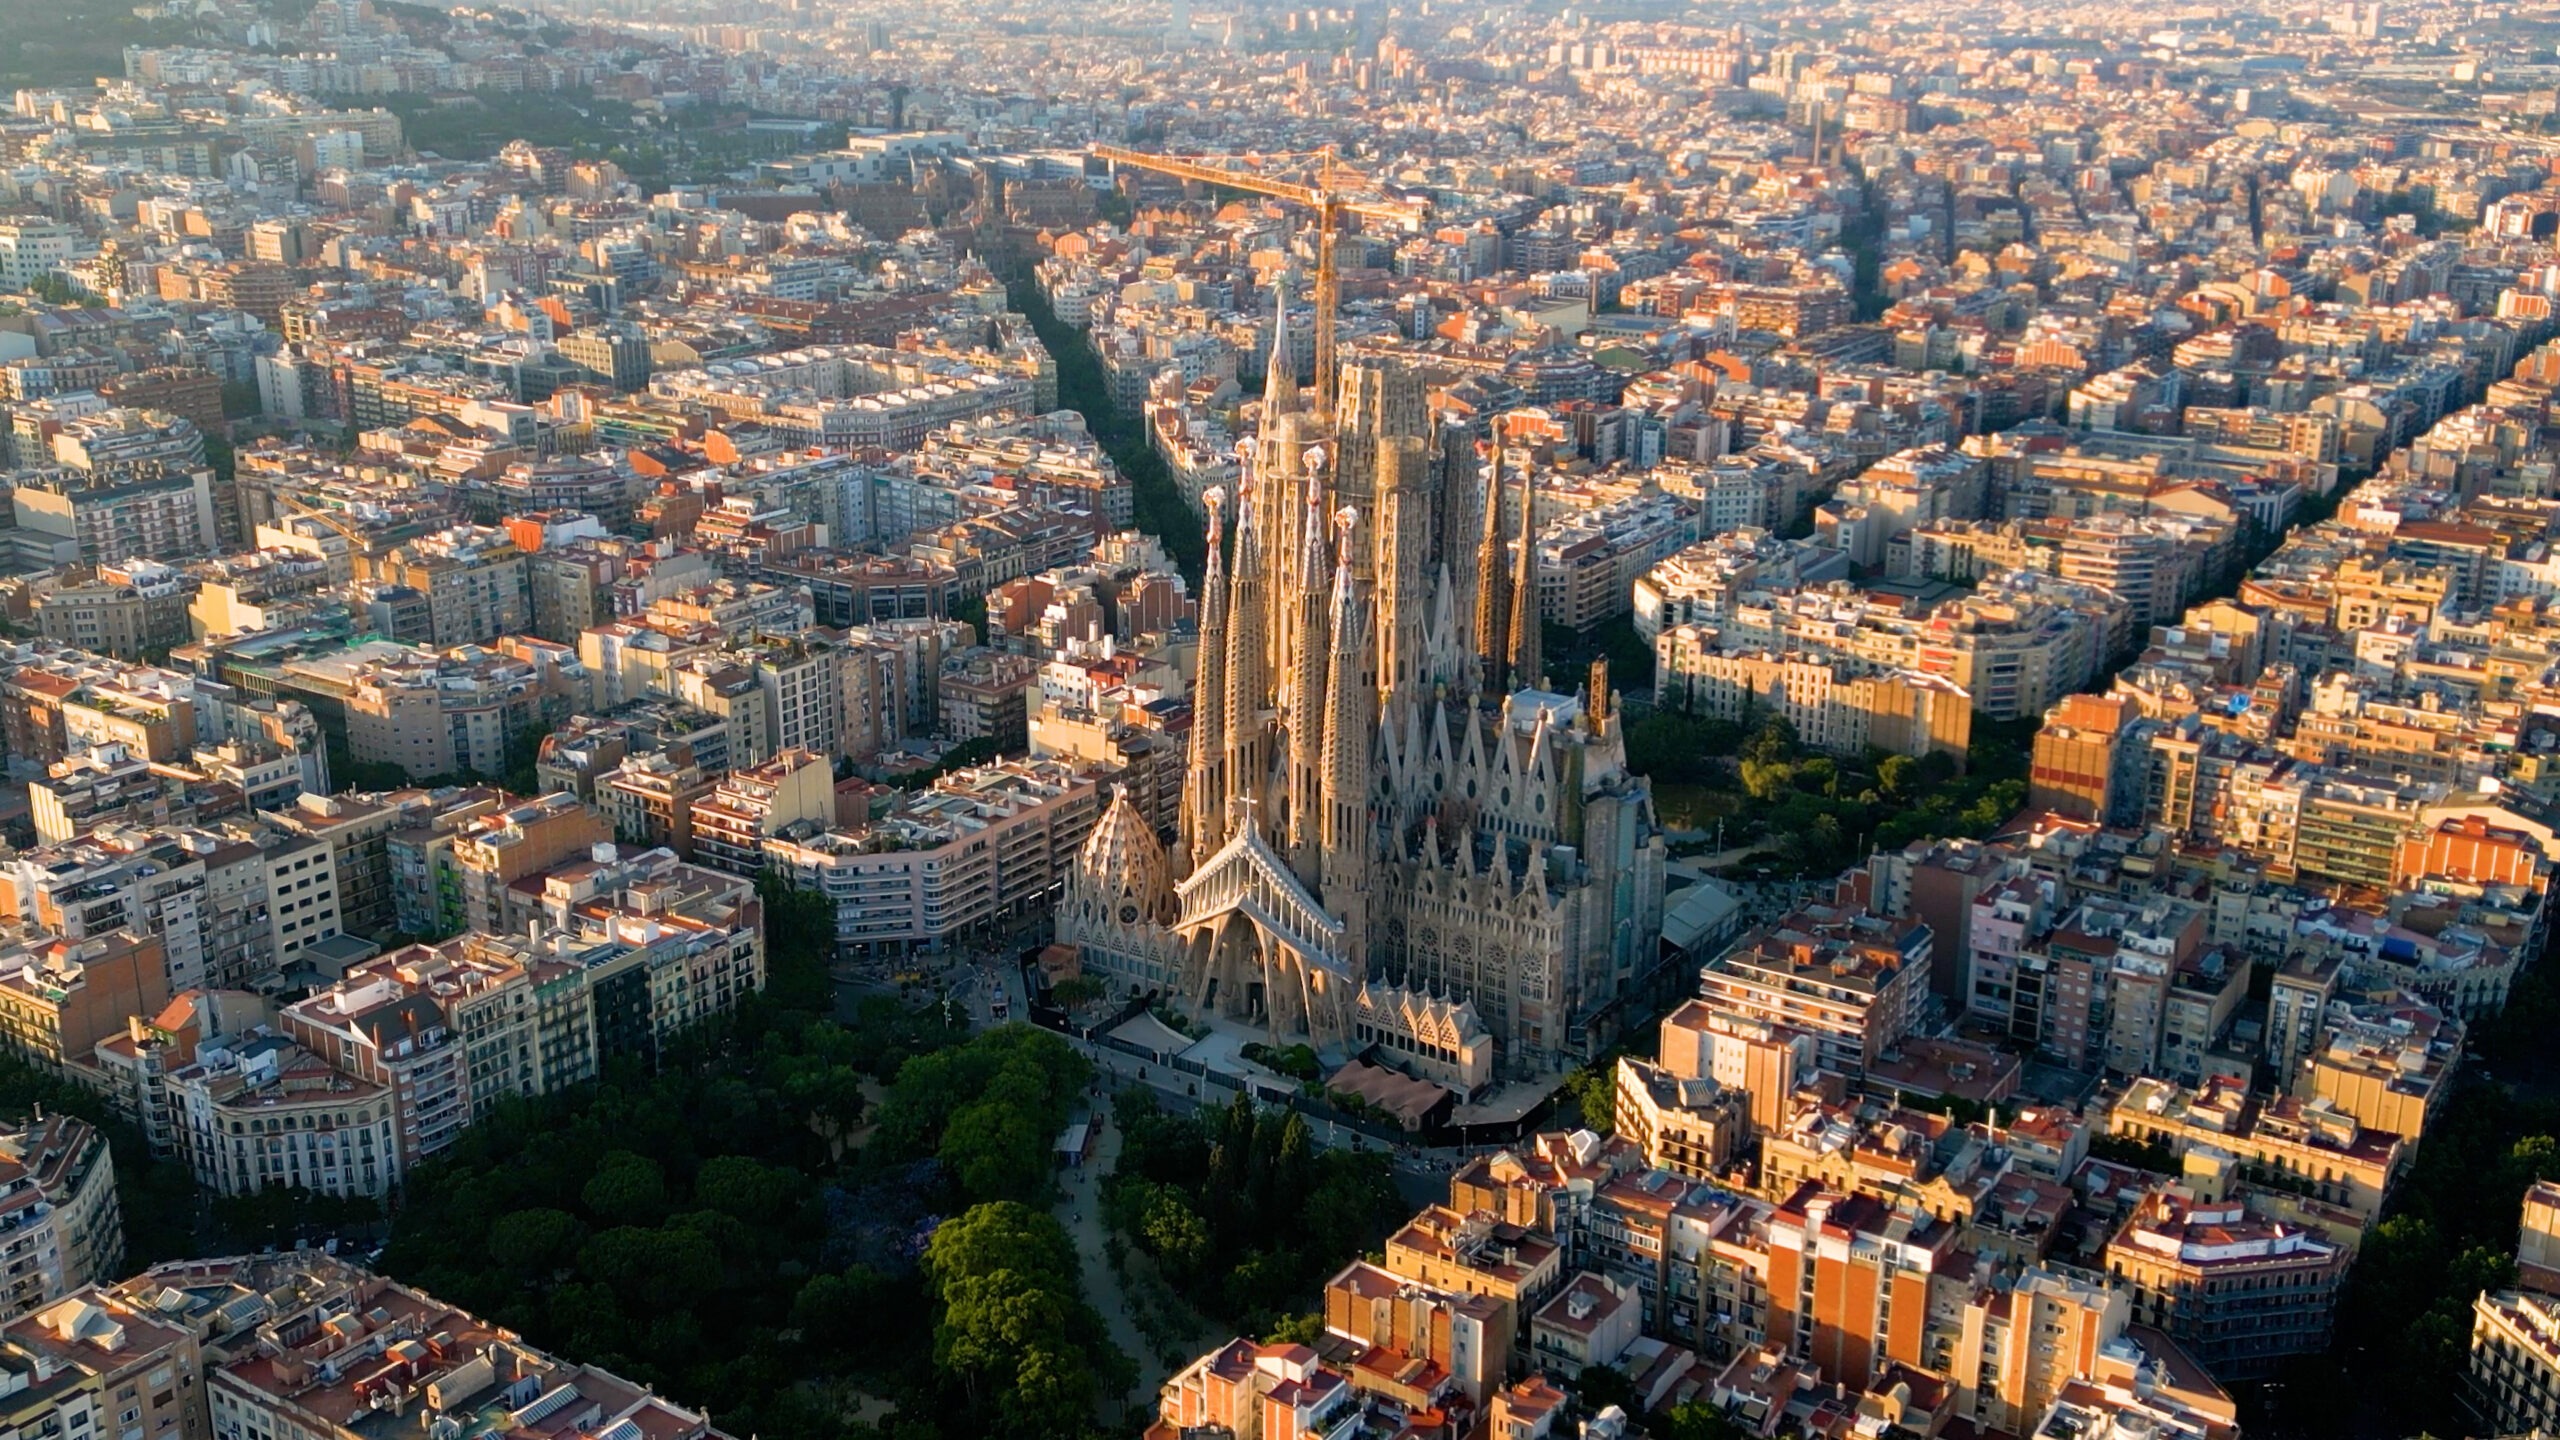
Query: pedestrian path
{"x":1080,"y":1211}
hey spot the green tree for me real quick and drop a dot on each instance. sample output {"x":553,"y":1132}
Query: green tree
{"x":748,"y":1189}
{"x":800,"y":942}
{"x":1598,"y":1387}
{"x":1002,"y":1237}
{"x":1177,"y":1236}
{"x":998,"y":1151}
{"x":652,"y":1270}
{"x":1304,"y":1329}
{"x":1594,"y":1092}
{"x":1009,"y":1324}
{"x":535,"y":1242}
{"x":628,"y":1189}
{"x":1696,"y":1420}
{"x":837,"y":1312}
{"x":1077,"y":991}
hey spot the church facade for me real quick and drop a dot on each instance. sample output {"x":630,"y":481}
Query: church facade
{"x":1389,"y":810}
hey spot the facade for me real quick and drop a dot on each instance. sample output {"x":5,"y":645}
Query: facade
{"x":107,"y":518}
{"x":981,"y":846}
{"x":1357,"y":614}
{"x":748,"y":806}
{"x":2513,"y":1383}
{"x":110,"y":1365}
{"x":456,"y":712}
{"x":61,"y":1228}
{"x":650,"y":799}
{"x":1687,"y":1125}
{"x":1588,"y":562}
{"x":494,"y":851}
{"x":2238,"y":1291}
{"x":1832,"y":706}
{"x":1853,"y":982}
{"x":1457,"y":1333}
{"x":2016,"y":645}
{"x":130,"y":611}
{"x":2311,"y":1145}
{"x":471,"y":578}
{"x":59,"y":998}
{"x":262,"y":1111}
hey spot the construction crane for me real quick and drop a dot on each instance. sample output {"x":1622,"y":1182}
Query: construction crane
{"x":1333,"y":190}
{"x":357,"y":543}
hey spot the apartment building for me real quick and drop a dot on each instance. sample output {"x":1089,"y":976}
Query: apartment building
{"x":108,"y":785}
{"x":2309,"y":1144}
{"x":426,"y":878}
{"x":302,"y":1343}
{"x":2016,"y":645}
{"x":1587,"y":562}
{"x":1897,"y":495}
{"x":1477,"y":1254}
{"x":2389,"y":1065}
{"x":1849,"y":1281}
{"x":650,"y":799}
{"x":1696,"y":1254}
{"x":2238,"y":1290}
{"x":986,"y":695}
{"x":256,"y":1110}
{"x":455,"y":712}
{"x":60,"y":997}
{"x":1593,"y":1320}
{"x":806,"y":692}
{"x":2078,"y":768}
{"x":32,"y":249}
{"x":61,"y":1228}
{"x":129,"y":610}
{"x":749,"y":806}
{"x":344,"y":1091}
{"x":105,"y":517}
{"x":471,"y":576}
{"x":1417,"y":1336}
{"x":357,"y":829}
{"x":1255,"y":1392}
{"x":983,"y":843}
{"x":664,"y":945}
{"x":495,"y":850}
{"x":1764,"y":1062}
{"x":101,"y":1363}
{"x":387,"y":1037}
{"x":254,"y":590}
{"x":1852,"y":981}
{"x":2513,"y":1383}
{"x":1833,"y":704}
{"x":1689,"y":1126}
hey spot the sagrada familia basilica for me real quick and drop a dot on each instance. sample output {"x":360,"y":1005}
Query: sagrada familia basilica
{"x":1395,"y":831}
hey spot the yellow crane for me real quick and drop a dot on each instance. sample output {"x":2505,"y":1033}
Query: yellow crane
{"x":1332,"y":190}
{"x":357,"y":543}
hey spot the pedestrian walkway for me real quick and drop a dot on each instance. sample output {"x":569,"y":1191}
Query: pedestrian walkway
{"x":1080,"y":1211}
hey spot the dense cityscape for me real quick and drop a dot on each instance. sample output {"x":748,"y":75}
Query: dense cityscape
{"x":1407,"y":720}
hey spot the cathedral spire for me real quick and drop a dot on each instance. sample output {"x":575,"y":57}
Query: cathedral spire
{"x":1246,"y":689}
{"x":1309,"y":655}
{"x":1401,"y":596}
{"x":1350,"y":729}
{"x":1528,"y":667}
{"x":1280,"y":381}
{"x":1493,"y":603}
{"x":1204,"y":797}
